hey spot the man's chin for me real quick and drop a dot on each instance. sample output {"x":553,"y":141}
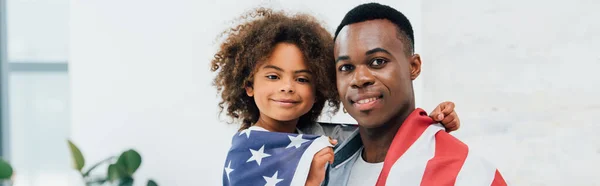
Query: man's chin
{"x":369,"y":123}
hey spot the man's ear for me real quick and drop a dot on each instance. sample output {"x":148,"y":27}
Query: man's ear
{"x":249,"y":90}
{"x":415,"y":66}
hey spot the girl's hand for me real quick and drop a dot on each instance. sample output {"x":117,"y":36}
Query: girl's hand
{"x":316,"y":174}
{"x":444,"y":113}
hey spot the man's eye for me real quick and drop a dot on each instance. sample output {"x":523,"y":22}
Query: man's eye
{"x":378,"y":62}
{"x":345,"y":68}
{"x":272,"y":77}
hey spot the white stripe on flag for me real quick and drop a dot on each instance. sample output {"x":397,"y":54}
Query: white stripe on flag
{"x":410,"y":167}
{"x":301,"y":173}
{"x":475,"y":171}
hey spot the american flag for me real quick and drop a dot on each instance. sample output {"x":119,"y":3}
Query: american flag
{"x":258,"y":157}
{"x":424,"y":154}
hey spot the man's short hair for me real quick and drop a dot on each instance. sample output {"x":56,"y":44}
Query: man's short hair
{"x":372,"y":11}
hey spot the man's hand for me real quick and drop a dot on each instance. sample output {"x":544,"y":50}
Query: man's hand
{"x":316,"y":174}
{"x":445,"y":114}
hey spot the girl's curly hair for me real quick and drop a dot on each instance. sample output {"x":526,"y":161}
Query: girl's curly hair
{"x":251,"y":42}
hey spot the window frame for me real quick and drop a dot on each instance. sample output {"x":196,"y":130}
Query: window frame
{"x":3,"y":84}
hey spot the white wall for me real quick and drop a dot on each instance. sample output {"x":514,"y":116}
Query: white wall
{"x":140,"y":79}
{"x":524,"y":77}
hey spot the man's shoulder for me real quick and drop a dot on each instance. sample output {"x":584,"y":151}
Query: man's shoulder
{"x":446,"y":144}
{"x":458,"y":159}
{"x":447,"y":147}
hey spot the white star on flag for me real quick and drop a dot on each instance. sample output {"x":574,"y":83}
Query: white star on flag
{"x":296,"y":141}
{"x":247,"y":132}
{"x":272,"y":181}
{"x":228,"y":170}
{"x":293,"y":162}
{"x":258,"y":155}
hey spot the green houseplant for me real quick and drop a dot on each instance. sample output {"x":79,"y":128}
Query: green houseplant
{"x":119,"y":172}
{"x":6,"y":170}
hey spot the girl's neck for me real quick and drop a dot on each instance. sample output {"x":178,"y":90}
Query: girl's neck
{"x":277,"y":126}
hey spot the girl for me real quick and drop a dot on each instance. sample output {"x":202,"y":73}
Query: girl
{"x":276,"y":73}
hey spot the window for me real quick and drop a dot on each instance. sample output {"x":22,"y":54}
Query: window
{"x":35,"y":87}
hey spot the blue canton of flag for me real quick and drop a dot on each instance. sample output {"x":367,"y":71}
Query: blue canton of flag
{"x":270,"y":158}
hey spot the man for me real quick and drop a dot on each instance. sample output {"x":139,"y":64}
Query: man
{"x":395,"y":143}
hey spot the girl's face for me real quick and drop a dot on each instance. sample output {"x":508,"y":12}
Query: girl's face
{"x":282,"y":86}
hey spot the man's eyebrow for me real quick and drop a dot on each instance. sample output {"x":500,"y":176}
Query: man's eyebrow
{"x":340,"y":58}
{"x":372,"y":51}
{"x":375,"y":50}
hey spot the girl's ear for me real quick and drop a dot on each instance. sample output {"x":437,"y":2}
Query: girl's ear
{"x":249,"y":91}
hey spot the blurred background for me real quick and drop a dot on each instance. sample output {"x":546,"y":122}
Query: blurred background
{"x":116,"y":75}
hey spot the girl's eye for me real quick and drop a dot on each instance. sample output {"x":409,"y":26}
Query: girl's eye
{"x":303,"y":80}
{"x":272,"y":77}
{"x":345,"y":68}
{"x":378,"y":62}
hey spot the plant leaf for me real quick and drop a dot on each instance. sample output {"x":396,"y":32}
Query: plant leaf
{"x":116,"y":172}
{"x":151,"y":183}
{"x":130,"y":160}
{"x":6,"y":170}
{"x":78,"y":160}
{"x":127,"y":181}
{"x":87,"y":173}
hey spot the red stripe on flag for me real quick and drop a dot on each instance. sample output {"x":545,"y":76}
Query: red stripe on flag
{"x":498,"y":180}
{"x":450,"y":155}
{"x":412,"y":128}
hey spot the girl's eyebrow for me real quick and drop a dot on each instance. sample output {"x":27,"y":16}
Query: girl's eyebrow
{"x":302,"y":71}
{"x":274,"y":67}
{"x":281,"y":70}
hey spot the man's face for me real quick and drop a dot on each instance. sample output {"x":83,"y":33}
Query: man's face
{"x":374,"y":75}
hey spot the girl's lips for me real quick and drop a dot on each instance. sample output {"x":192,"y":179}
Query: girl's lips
{"x":285,"y":102}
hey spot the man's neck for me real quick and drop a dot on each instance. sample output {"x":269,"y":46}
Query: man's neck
{"x":377,"y":141}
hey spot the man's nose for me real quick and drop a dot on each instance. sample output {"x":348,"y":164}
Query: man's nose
{"x":362,"y":77}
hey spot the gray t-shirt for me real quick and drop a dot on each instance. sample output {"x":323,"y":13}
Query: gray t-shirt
{"x":341,"y":132}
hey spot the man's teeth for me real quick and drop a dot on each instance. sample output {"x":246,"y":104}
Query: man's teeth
{"x":368,"y":100}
